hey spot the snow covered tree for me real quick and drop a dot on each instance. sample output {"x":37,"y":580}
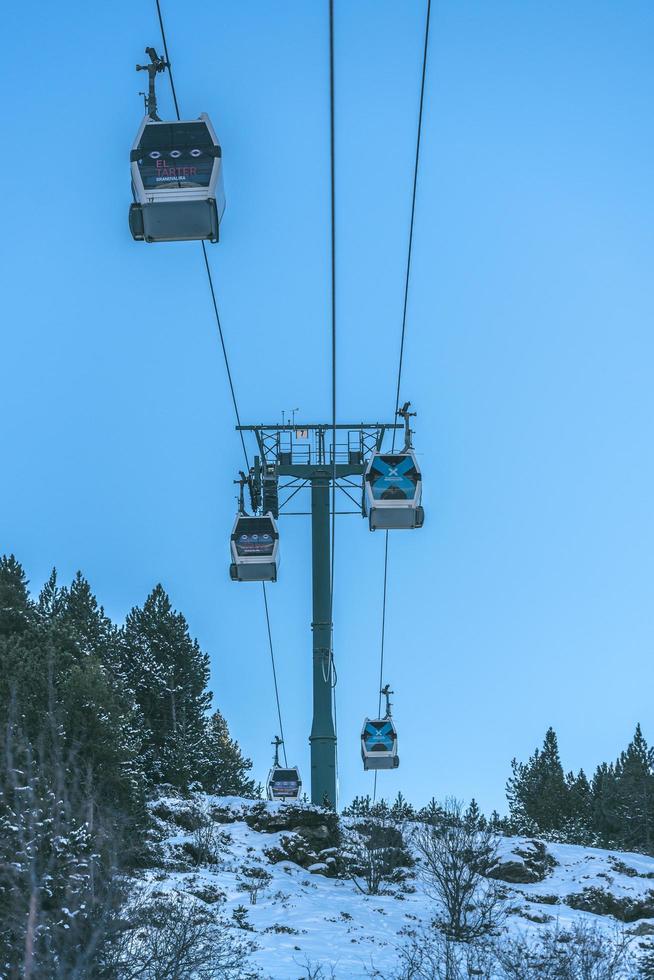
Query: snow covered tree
{"x":226,"y":772}
{"x":55,"y":870}
{"x":49,"y":669}
{"x":579,"y":826}
{"x":168,"y":674}
{"x":646,"y":963}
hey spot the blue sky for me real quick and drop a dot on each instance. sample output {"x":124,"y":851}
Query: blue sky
{"x":526,"y":599}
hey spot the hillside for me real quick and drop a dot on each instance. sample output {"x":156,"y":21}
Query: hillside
{"x":304,"y":916}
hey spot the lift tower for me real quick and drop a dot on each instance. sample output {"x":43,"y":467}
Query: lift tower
{"x":309,"y":457}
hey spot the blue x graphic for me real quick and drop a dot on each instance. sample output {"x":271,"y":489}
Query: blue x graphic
{"x":379,"y":736}
{"x":387,"y":476}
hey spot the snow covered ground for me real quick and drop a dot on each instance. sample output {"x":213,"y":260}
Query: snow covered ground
{"x":303,"y":917}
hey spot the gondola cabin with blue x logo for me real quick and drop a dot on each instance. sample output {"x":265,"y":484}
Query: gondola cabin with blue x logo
{"x":393,"y":491}
{"x":379,"y":744}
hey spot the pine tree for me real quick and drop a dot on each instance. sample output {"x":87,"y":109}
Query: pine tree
{"x":226,"y":768}
{"x":537,"y":790}
{"x":605,"y":820}
{"x":55,"y":873}
{"x":473,"y":816}
{"x":432,"y":814}
{"x":51,"y":598}
{"x":17,"y":610}
{"x":579,"y":826}
{"x":635,"y":794}
{"x":646,"y":963}
{"x":50,"y":669}
{"x":168,"y":674}
{"x":94,"y":631}
{"x":401,"y":810}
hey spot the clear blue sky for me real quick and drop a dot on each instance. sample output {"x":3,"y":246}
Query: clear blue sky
{"x":526,"y":600}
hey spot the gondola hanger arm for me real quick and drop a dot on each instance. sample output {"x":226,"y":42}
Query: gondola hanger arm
{"x":156,"y":65}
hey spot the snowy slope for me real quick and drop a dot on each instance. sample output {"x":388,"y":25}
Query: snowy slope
{"x":303,"y":916}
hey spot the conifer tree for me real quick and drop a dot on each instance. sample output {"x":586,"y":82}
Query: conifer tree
{"x":635,"y":793}
{"x":579,"y":827}
{"x":168,"y":674}
{"x":604,"y":788}
{"x":646,"y":963}
{"x":49,"y":670}
{"x":227,"y":769}
{"x":51,"y":598}
{"x":537,"y":791}
{"x":17,"y":610}
{"x":401,"y":810}
{"x":473,"y":816}
{"x":82,"y":613}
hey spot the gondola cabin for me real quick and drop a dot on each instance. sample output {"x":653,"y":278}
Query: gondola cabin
{"x":379,"y":744}
{"x":255,"y":549}
{"x":177,"y":181}
{"x":284,"y":783}
{"x":393,"y":490}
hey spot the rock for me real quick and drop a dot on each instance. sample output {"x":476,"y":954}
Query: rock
{"x":513,"y":872}
{"x":523,"y":865}
{"x":319,"y":833}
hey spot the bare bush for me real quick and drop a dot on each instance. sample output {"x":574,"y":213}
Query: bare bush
{"x":455,"y":855}
{"x":582,"y":952}
{"x":432,"y":956}
{"x":253,"y":879}
{"x":206,"y":841}
{"x":317,"y":971}
{"x":374,"y":854}
{"x":170,"y":938}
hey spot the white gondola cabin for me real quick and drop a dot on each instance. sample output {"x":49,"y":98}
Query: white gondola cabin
{"x":177,"y":181}
{"x":255,"y":549}
{"x":379,"y":744}
{"x":284,"y":783}
{"x":393,"y":491}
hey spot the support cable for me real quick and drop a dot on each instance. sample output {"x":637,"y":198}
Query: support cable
{"x":332,"y":155}
{"x":407,"y":279}
{"x":229,"y":378}
{"x":272,"y":660}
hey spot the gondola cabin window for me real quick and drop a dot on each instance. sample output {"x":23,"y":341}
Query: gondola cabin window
{"x":175,"y":154}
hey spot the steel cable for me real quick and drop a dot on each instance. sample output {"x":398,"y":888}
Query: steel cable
{"x":332,"y":155}
{"x":229,"y":378}
{"x":404,"y":319}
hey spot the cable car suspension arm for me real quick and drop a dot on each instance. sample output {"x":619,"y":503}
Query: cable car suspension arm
{"x":157,"y":65}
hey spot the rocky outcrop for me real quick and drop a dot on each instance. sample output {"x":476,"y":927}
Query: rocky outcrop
{"x":526,"y":864}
